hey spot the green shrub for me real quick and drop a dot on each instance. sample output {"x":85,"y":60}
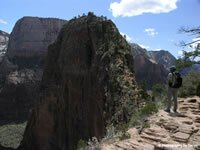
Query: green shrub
{"x":148,"y":109}
{"x":124,"y":134}
{"x":158,"y":90}
{"x":81,"y":144}
{"x":146,"y":125}
{"x":139,"y":117}
{"x":181,"y":63}
{"x":190,"y":84}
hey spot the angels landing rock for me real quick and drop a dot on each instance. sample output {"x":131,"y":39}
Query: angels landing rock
{"x":88,"y":82}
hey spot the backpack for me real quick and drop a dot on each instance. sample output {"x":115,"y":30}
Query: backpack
{"x":177,"y":80}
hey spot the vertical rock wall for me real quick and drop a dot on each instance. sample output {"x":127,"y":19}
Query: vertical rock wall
{"x":87,"y":83}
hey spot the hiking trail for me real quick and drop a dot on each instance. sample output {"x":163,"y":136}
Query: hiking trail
{"x":173,"y":131}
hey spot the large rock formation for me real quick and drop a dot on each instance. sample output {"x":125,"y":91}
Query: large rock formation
{"x":30,"y":38}
{"x":163,"y":57}
{"x":147,"y":70}
{"x":22,"y":66}
{"x":4,"y":37}
{"x":88,"y":82}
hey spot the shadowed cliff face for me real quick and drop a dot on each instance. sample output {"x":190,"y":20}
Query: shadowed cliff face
{"x":147,"y":69}
{"x":30,"y":38}
{"x":22,"y":67}
{"x":150,"y":72}
{"x":88,"y":82}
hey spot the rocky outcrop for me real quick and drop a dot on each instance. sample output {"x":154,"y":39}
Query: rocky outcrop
{"x":163,"y":57}
{"x":146,"y":68}
{"x":175,"y":130}
{"x":22,"y":67}
{"x":148,"y":72}
{"x":30,"y":38}
{"x":4,"y":37}
{"x":137,"y":50}
{"x":88,"y":82}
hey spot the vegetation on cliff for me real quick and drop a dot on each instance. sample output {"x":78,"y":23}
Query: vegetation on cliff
{"x":88,"y":83}
{"x":190,"y":85}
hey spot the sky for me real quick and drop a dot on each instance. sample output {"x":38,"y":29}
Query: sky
{"x":153,"y":24}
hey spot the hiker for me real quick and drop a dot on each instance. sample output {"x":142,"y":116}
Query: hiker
{"x":174,"y":82}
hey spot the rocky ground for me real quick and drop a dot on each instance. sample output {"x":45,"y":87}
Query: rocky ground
{"x":172,"y":131}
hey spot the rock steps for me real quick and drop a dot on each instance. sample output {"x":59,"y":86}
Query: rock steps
{"x":173,"y":129}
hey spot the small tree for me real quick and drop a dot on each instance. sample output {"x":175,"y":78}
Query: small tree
{"x":182,"y":63}
{"x":190,"y":84}
{"x":195,"y":45}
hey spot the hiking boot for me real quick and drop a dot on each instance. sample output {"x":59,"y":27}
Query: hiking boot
{"x":175,"y":111}
{"x":166,"y":110}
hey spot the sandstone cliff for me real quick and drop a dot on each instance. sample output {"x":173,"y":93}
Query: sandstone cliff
{"x":149,"y":72}
{"x":22,"y":67}
{"x":88,"y":82}
{"x":146,"y":68}
{"x":30,"y":38}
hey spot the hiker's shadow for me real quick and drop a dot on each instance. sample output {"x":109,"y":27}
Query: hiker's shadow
{"x":177,"y":114}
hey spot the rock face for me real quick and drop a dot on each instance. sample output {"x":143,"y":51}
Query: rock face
{"x":149,"y":72}
{"x":181,"y":129}
{"x":22,"y":66}
{"x":4,"y":37}
{"x":137,"y":50}
{"x":30,"y":38}
{"x":163,"y":57}
{"x":88,"y":82}
{"x":146,"y":68}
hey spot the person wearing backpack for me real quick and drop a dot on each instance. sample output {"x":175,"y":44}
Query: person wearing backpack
{"x":174,"y":82}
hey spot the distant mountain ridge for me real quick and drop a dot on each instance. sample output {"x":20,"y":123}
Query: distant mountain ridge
{"x":163,"y":57}
{"x":186,"y":70}
{"x":146,"y":68}
{"x":138,"y":50}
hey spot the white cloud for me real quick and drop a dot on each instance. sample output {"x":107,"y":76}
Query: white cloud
{"x":180,"y":53}
{"x":3,"y":21}
{"x":151,"y":32}
{"x":128,"y":8}
{"x":128,"y":38}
